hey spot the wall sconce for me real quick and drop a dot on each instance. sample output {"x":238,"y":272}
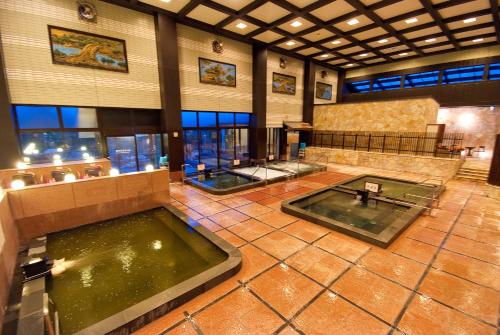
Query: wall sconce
{"x":283,"y":63}
{"x":324,"y":74}
{"x":217,"y":46}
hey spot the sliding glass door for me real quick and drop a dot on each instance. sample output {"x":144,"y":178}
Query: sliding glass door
{"x":133,"y":153}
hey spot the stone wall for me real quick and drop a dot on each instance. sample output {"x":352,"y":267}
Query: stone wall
{"x":438,"y":167}
{"x":394,"y":115}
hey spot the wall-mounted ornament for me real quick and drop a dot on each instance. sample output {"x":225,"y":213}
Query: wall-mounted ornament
{"x":87,"y":11}
{"x":283,"y":63}
{"x":217,"y":46}
{"x":324,"y":74}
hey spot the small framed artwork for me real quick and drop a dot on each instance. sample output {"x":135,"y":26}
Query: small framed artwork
{"x":283,"y":84}
{"x":323,"y":91}
{"x":217,"y":73}
{"x":79,"y":48}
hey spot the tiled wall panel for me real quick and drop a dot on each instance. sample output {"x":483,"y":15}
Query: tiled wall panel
{"x":33,"y":79}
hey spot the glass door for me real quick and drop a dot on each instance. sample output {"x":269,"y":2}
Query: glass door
{"x":122,"y":153}
{"x":148,"y":150}
{"x":226,"y":146}
{"x":208,"y":148}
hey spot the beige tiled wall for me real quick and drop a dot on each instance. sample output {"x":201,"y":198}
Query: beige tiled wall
{"x":33,"y":79}
{"x":194,"y":43}
{"x":282,"y":107}
{"x":331,"y":78}
{"x":394,"y":115}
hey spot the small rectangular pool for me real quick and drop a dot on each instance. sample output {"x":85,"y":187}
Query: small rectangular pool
{"x":117,"y":274}
{"x":301,"y":168}
{"x":379,"y":221}
{"x":224,"y":182}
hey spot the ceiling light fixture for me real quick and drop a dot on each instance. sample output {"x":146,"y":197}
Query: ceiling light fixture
{"x":403,"y":54}
{"x":385,"y":40}
{"x":349,"y":65}
{"x":363,"y":55}
{"x":470,"y":20}
{"x":241,"y":25}
{"x":412,"y":20}
{"x":336,"y":42}
{"x":296,"y":24}
{"x":324,"y":55}
{"x":167,"y":1}
{"x":478,"y":40}
{"x":353,"y":22}
{"x":290,"y":43}
{"x":430,"y":40}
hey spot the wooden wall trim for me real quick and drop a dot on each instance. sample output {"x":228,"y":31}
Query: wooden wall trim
{"x":494,"y":176}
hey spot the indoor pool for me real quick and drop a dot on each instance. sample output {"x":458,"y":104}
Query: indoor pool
{"x":301,"y":168}
{"x":224,"y":182}
{"x":262,"y":173}
{"x":375,"y":218}
{"x":106,"y":268}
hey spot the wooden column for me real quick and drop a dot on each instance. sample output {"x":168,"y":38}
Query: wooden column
{"x":340,"y":86}
{"x":168,"y":59}
{"x":258,"y":132}
{"x":8,"y":136}
{"x":308,"y":105}
{"x":494,"y":176}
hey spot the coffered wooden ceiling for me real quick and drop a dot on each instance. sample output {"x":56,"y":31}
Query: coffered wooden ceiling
{"x":343,"y":33}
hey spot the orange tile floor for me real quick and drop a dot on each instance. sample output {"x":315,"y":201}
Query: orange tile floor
{"x":442,"y":276}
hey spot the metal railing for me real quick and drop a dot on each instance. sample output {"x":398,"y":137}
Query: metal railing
{"x":449,"y":145}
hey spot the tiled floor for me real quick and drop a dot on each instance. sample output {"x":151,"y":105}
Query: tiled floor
{"x":442,"y":276}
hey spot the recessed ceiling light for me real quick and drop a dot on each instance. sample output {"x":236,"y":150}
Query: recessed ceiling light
{"x":412,"y":20}
{"x":290,"y":43}
{"x":352,"y":22}
{"x":241,"y":25}
{"x":385,"y":40}
{"x":478,"y":40}
{"x":336,"y":42}
{"x":430,"y":40}
{"x":296,"y":24}
{"x":167,"y":1}
{"x":350,"y":64}
{"x":363,"y":55}
{"x":470,"y":20}
{"x":403,"y":54}
{"x":324,"y":55}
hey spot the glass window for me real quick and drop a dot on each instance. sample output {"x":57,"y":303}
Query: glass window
{"x":208,"y":145}
{"x":75,"y":117}
{"x":207,"y":119}
{"x":148,"y":150}
{"x":76,"y":143}
{"x":242,"y":152}
{"x":387,"y":84}
{"x":359,"y":86}
{"x":242,"y":119}
{"x":37,"y":117}
{"x":494,"y":72}
{"x":191,"y":152}
{"x":464,"y":74}
{"x":226,"y":146}
{"x":189,"y":119}
{"x":226,"y":119}
{"x":121,"y":152}
{"x":422,"y":79}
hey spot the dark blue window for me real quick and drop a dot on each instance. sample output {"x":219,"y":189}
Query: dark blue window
{"x":33,"y":117}
{"x":226,"y":119}
{"x":207,"y":119}
{"x":386,"y":84}
{"x":464,"y":74}
{"x":189,"y":119}
{"x":75,"y":117}
{"x":494,"y":72}
{"x":421,"y":79}
{"x":242,"y":119}
{"x":359,"y":86}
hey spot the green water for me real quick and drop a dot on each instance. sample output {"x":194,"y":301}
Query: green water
{"x":343,"y":207}
{"x":117,"y":263}
{"x":223,"y":180}
{"x":395,"y":189}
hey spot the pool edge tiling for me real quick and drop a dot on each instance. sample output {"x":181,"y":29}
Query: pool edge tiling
{"x":144,"y":312}
{"x":383,"y":239}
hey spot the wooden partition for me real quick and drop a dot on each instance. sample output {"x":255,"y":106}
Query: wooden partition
{"x":42,"y":171}
{"x":494,"y":176}
{"x":42,"y":209}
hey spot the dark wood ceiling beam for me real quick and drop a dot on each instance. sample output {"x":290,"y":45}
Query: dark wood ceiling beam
{"x":439,"y":20}
{"x":241,"y":13}
{"x":496,"y":17}
{"x":188,"y":8}
{"x":272,"y":25}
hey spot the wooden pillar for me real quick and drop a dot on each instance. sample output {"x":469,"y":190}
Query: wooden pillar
{"x":258,"y":133}
{"x":168,"y":59}
{"x":340,"y":86}
{"x":494,"y":176}
{"x":308,"y":105}
{"x":8,"y":136}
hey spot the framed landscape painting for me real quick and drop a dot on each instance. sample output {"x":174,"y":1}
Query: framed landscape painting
{"x":283,"y":84}
{"x":323,"y":91}
{"x":78,"y":48}
{"x":217,"y":73}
